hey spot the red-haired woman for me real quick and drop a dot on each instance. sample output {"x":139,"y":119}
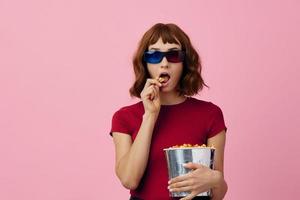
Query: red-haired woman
{"x":167,"y":74}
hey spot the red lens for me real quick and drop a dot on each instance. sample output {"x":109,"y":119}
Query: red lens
{"x":174,"y":56}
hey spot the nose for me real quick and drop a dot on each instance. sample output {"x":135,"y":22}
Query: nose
{"x":164,"y":62}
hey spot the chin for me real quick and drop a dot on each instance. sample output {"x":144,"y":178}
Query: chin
{"x":167,"y":89}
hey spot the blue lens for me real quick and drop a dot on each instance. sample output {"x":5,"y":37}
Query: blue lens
{"x":153,"y":57}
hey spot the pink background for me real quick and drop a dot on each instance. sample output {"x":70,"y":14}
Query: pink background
{"x":65,"y":68}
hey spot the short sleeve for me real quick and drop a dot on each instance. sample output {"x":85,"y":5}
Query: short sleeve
{"x":120,"y":123}
{"x":217,"y":123}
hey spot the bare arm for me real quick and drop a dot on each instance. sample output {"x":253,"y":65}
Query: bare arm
{"x":132,"y":158}
{"x":218,"y":142}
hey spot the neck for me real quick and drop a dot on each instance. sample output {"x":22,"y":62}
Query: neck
{"x":171,"y":98}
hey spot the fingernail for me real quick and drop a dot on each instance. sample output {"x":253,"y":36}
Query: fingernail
{"x":169,"y":182}
{"x":168,"y":187}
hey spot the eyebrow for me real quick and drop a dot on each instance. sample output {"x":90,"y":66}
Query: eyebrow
{"x":173,"y":48}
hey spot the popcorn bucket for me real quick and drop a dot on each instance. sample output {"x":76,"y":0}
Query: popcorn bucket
{"x":176,"y":157}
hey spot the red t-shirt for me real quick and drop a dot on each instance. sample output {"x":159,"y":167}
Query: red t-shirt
{"x":191,"y":122}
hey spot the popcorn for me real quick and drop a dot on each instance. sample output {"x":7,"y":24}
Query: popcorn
{"x":192,"y":146}
{"x":161,"y":79}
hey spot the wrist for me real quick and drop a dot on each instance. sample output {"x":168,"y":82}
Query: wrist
{"x":150,"y":115}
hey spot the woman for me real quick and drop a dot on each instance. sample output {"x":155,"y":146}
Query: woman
{"x":168,"y":72}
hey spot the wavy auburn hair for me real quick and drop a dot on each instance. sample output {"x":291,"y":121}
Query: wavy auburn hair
{"x":190,"y":82}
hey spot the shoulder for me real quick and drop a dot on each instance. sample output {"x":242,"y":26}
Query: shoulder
{"x":124,"y":119}
{"x":128,"y":109}
{"x":210,"y":106}
{"x":207,"y":108}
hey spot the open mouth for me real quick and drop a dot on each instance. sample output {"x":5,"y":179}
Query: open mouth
{"x":164,"y":77}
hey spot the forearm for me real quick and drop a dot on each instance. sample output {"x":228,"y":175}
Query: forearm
{"x":132,"y":166}
{"x":219,"y":191}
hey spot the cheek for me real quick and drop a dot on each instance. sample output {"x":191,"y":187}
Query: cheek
{"x":152,"y":69}
{"x":178,"y":71}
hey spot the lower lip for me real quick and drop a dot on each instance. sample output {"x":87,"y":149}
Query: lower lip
{"x":165,"y":84}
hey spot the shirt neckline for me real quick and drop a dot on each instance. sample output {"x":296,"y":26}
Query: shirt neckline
{"x":177,"y":104}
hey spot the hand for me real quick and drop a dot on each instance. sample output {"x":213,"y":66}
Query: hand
{"x":150,"y":96}
{"x":199,"y":180}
